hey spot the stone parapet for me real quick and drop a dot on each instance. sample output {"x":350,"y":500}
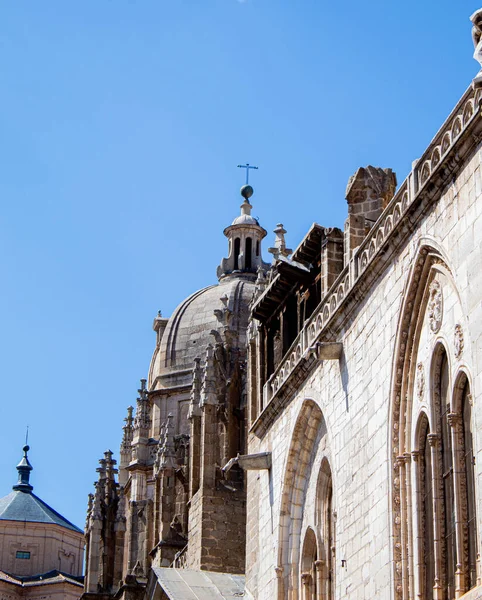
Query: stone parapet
{"x":453,"y":144}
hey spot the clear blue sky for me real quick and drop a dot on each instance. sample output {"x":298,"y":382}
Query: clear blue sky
{"x":122,"y":123}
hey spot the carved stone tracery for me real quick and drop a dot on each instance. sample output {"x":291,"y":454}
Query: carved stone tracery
{"x":435,"y":306}
{"x":458,"y":341}
{"x":420,"y":381}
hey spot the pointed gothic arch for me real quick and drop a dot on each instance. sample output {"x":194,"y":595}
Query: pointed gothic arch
{"x":403,"y":379}
{"x":465,"y":478}
{"x":430,"y":526}
{"x":325,"y":523}
{"x":309,"y":558}
{"x":309,"y":429}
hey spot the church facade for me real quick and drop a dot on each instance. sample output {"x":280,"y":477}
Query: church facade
{"x":316,"y":423}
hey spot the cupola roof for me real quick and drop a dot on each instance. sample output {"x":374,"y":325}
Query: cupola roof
{"x":23,"y":505}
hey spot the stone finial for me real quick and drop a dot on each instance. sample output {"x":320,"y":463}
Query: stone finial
{"x":120,"y":517}
{"x":110,"y":473}
{"x":166,"y":457}
{"x":279,"y":248}
{"x":90,"y":503}
{"x":476,"y":19}
{"x":369,"y":191}
{"x":194,"y":410}
{"x":208,"y":390}
{"x":143,"y":412}
{"x":96,"y":512}
{"x":128,"y":430}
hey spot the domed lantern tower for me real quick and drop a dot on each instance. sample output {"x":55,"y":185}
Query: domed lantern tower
{"x":244,"y":235}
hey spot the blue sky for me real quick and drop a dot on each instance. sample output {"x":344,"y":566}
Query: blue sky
{"x":121,"y":127}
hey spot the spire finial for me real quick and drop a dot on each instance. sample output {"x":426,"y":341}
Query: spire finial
{"x":247,"y":166}
{"x":247,"y":190}
{"x":24,"y":467}
{"x":279,"y":243}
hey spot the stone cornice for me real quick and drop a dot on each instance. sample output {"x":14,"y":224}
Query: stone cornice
{"x":437,"y":168}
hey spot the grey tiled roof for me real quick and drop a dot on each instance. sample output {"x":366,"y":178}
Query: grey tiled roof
{"x":184,"y":584}
{"x":41,"y":579}
{"x":25,"y":506}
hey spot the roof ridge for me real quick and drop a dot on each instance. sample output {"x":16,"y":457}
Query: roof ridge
{"x":13,"y":494}
{"x":44,"y":506}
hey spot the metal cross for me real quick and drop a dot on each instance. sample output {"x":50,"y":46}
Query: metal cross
{"x":247,"y":166}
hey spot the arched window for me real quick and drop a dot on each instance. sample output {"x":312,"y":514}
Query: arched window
{"x":469,"y":455}
{"x":425,"y":495}
{"x":446,"y":489}
{"x":465,"y":481}
{"x":435,"y":545}
{"x":237,"y":246}
{"x":326,"y":525}
{"x":248,"y":253}
{"x":308,"y":432}
{"x":309,"y":558}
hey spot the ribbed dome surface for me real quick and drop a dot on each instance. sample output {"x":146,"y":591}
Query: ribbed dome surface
{"x":245,"y":220}
{"x":188,"y":331}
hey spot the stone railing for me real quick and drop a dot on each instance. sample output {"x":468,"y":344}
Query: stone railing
{"x":180,"y":558}
{"x":381,"y":230}
{"x":421,"y":174}
{"x":308,"y":335}
{"x":447,"y":136}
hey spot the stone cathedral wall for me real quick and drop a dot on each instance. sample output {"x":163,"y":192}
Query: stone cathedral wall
{"x":354,"y":395}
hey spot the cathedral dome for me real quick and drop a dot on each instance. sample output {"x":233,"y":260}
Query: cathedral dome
{"x":198,"y":321}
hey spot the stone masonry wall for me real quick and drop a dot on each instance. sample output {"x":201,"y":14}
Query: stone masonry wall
{"x":221,"y":516}
{"x":354,"y":397}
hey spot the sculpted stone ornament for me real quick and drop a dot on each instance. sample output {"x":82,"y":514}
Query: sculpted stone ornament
{"x":476,"y":19}
{"x":435,"y":306}
{"x":420,"y":381}
{"x":458,"y":340}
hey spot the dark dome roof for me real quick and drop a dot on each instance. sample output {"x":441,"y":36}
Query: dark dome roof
{"x":25,"y":506}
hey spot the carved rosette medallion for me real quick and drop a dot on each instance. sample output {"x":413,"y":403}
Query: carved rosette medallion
{"x":458,"y":340}
{"x":420,"y":382}
{"x":435,"y":306}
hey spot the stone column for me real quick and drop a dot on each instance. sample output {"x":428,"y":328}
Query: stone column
{"x":458,"y":463}
{"x":320,"y":584}
{"x":434,"y":443}
{"x":418,"y":562}
{"x":280,"y":583}
{"x":408,"y":486}
{"x":403,"y":519}
{"x":306,"y":580}
{"x":403,"y":462}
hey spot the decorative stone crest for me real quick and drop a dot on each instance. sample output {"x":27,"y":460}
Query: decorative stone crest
{"x":476,"y":19}
{"x":435,"y":306}
{"x":458,"y":340}
{"x":420,"y":381}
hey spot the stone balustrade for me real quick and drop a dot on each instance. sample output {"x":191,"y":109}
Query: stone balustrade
{"x":380,"y":235}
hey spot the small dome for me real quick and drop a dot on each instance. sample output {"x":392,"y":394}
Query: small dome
{"x":189,"y":330}
{"x":245,"y":220}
